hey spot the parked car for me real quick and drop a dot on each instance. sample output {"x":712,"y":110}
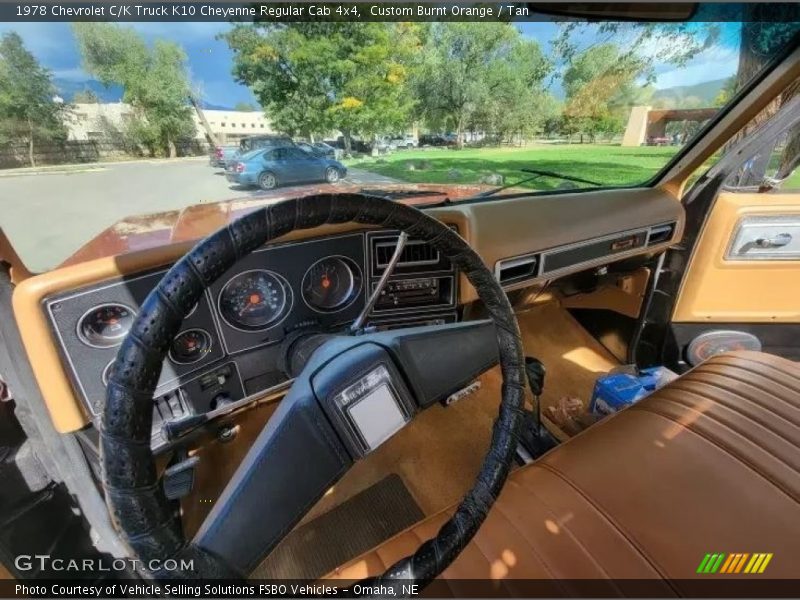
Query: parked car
{"x":268,"y":168}
{"x":255,"y":142}
{"x":405,"y":141}
{"x":658,"y":140}
{"x":219,"y":156}
{"x":356,"y":145}
{"x":383,"y":145}
{"x":437,"y":139}
{"x":318,"y":149}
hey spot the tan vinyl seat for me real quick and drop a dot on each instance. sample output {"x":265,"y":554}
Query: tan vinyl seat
{"x":708,"y":464}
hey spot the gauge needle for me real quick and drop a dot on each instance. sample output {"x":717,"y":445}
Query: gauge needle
{"x":252,"y":300}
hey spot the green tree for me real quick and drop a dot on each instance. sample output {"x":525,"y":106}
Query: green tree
{"x":244,"y":107}
{"x":28,"y":107}
{"x":726,"y":92}
{"x":314,"y":77}
{"x":514,"y":94}
{"x":479,"y":74}
{"x":764,"y":34}
{"x":85,"y":97}
{"x":644,"y":43}
{"x":154,"y":81}
{"x":598,"y":83}
{"x":764,"y":30}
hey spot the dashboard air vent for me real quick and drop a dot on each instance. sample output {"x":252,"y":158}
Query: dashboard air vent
{"x":515,"y":270}
{"x":415,"y":253}
{"x":661,"y":233}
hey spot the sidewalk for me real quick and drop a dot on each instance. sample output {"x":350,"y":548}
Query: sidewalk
{"x":92,"y":166}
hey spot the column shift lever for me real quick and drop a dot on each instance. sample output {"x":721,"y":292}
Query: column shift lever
{"x":358,"y":324}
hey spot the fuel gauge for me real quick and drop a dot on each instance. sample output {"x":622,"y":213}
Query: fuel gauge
{"x":190,"y":346}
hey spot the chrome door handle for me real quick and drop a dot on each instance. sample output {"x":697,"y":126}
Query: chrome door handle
{"x":782,"y":239}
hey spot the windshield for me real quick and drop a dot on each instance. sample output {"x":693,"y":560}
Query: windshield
{"x":105,"y":120}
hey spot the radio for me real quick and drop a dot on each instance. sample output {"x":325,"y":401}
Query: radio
{"x":409,"y":293}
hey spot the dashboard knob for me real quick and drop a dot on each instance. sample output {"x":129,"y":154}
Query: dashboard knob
{"x":220,"y":400}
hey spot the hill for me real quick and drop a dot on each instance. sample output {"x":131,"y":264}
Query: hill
{"x":705,"y":92}
{"x":67,"y":89}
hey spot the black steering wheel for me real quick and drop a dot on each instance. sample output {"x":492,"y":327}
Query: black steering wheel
{"x":351,"y":393}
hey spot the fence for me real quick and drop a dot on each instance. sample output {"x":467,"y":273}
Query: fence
{"x":82,"y":151}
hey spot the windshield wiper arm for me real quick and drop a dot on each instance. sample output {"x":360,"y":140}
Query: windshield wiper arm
{"x":496,"y":190}
{"x":536,"y":174}
{"x":542,"y":173}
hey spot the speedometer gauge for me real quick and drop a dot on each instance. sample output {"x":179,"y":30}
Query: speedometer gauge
{"x":254,"y":300}
{"x":106,"y":325}
{"x":331,"y":284}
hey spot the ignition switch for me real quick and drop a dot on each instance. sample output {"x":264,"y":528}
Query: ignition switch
{"x":227,"y":433}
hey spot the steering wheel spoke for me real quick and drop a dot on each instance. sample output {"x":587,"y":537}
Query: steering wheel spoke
{"x":295,"y":459}
{"x":439,"y":360}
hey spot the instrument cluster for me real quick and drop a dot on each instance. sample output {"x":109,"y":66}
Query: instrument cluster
{"x":315,"y":284}
{"x":229,"y":345}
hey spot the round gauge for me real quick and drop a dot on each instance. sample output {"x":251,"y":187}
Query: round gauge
{"x":190,"y":346}
{"x":253,"y":300}
{"x":107,"y":372}
{"x":331,"y":284}
{"x":106,"y":325}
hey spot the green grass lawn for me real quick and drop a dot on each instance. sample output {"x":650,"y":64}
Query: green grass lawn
{"x":607,"y":164}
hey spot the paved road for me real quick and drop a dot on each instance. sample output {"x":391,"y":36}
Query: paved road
{"x":49,"y":216}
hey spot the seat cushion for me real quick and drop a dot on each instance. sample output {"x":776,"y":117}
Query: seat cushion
{"x":709,"y":464}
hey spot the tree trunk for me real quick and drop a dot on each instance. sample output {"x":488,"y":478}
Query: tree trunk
{"x":347,"y":142}
{"x":171,"y":149}
{"x":790,"y":158}
{"x":212,"y":139}
{"x":752,"y":59}
{"x":30,"y":143}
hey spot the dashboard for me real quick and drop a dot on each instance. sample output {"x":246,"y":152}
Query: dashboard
{"x":229,"y":347}
{"x":71,"y":319}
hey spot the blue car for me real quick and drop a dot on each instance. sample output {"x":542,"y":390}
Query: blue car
{"x":268,"y":168}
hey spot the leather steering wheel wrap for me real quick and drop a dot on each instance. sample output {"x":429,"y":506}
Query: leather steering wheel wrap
{"x":139,"y":509}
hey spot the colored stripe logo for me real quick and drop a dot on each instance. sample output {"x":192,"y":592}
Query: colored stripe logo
{"x":737,"y":562}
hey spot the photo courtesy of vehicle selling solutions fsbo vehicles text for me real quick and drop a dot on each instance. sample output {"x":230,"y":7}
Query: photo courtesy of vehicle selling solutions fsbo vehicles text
{"x":396,"y":299}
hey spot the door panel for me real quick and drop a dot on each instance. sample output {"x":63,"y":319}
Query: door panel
{"x":746,"y":265}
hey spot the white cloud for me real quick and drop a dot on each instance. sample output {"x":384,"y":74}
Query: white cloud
{"x":715,"y":63}
{"x":74,"y":74}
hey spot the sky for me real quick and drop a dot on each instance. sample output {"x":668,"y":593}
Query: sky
{"x":210,"y":59}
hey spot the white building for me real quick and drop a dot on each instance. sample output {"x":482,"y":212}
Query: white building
{"x":232,"y":125}
{"x":101,"y":121}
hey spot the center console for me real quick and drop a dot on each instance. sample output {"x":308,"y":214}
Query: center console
{"x":422,"y":289}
